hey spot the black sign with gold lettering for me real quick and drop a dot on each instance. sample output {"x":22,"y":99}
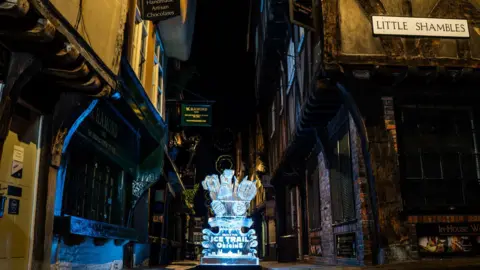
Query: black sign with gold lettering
{"x":159,"y":10}
{"x":301,"y":13}
{"x":111,"y":133}
{"x":196,"y":115}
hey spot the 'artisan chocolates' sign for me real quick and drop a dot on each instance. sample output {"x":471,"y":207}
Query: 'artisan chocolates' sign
{"x":426,"y":27}
{"x":159,"y":10}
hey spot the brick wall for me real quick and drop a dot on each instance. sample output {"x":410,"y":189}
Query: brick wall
{"x":381,"y":131}
{"x":362,"y":201}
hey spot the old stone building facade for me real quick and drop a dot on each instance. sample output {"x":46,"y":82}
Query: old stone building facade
{"x":381,"y":124}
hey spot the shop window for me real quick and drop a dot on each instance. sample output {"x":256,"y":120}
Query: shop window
{"x":291,"y":207}
{"x":290,"y":65}
{"x":439,"y":157}
{"x":291,"y":112}
{"x":95,"y":188}
{"x":341,"y":181}
{"x":314,"y":200}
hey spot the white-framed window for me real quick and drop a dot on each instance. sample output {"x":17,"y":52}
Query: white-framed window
{"x":139,"y":45}
{"x":272,"y":119}
{"x":290,"y":65}
{"x":281,"y":86}
{"x":158,"y":76}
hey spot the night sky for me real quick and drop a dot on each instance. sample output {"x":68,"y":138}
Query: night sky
{"x":226,"y":75}
{"x":219,"y":52}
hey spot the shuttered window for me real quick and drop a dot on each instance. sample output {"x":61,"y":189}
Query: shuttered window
{"x":343,"y":207}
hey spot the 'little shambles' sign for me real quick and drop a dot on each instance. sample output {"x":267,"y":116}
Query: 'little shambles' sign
{"x":159,"y":10}
{"x":426,"y":27}
{"x":196,"y":115}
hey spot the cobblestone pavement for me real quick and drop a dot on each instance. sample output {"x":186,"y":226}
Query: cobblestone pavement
{"x":470,"y":263}
{"x":463,"y":264}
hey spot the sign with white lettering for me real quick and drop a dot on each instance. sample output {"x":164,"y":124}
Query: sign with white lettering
{"x":448,"y":229}
{"x":421,"y":27}
{"x":159,"y":10}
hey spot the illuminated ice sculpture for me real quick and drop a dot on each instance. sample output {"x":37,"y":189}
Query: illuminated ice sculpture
{"x":230,"y":200}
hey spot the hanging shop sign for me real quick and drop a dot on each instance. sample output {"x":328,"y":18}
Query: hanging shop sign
{"x":197,"y":115}
{"x":301,"y":13}
{"x":160,"y":10}
{"x":421,"y":27}
{"x":449,"y":238}
{"x":108,"y":131}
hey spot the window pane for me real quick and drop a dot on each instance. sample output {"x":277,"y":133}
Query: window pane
{"x":413,"y":166}
{"x":444,"y":137}
{"x":431,"y":165}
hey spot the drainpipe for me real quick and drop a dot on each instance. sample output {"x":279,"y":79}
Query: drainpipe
{"x":356,"y":115}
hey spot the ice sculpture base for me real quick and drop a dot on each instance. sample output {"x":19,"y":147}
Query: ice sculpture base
{"x":212,"y":260}
{"x":228,"y":267}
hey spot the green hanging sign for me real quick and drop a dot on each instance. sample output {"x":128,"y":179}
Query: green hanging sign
{"x":196,"y":115}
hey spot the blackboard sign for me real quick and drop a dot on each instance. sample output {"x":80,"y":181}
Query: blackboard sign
{"x":346,"y":246}
{"x":301,"y":13}
{"x":196,"y":115}
{"x":159,"y":10}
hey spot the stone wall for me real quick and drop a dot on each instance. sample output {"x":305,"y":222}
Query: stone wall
{"x":328,"y":241}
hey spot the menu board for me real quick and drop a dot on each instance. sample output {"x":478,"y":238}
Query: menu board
{"x":345,"y":245}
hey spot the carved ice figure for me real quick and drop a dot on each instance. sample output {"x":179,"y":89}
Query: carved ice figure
{"x":218,"y":208}
{"x":226,"y":187}
{"x":247,"y":190}
{"x":239,"y":208}
{"x":212,"y":184}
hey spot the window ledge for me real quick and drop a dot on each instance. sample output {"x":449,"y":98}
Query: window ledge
{"x":65,"y":225}
{"x":344,"y":222}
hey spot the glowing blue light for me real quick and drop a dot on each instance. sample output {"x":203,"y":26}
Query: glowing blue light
{"x":116,"y":96}
{"x":230,"y":200}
